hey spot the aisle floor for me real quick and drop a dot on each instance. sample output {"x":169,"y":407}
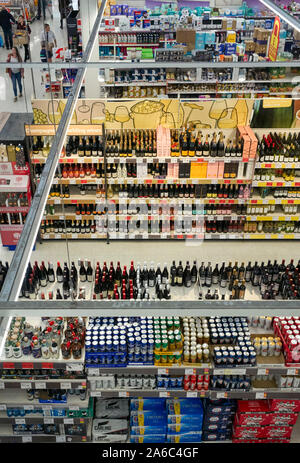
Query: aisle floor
{"x":24,"y":104}
{"x":161,"y":251}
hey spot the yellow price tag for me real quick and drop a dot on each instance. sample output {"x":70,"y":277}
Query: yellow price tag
{"x":274,"y":237}
{"x":281,"y":218}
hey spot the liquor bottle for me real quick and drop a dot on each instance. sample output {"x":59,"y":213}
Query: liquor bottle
{"x":202,"y":274}
{"x":89,"y":273}
{"x":82,"y":272}
{"x":66,"y":288}
{"x":165,"y":274}
{"x":187,"y":276}
{"x":151,"y":276}
{"x":248,"y":272}
{"x":208,"y":275}
{"x":179,"y":274}
{"x":194,"y":272}
{"x":59,"y":273}
{"x":213,"y":149}
{"x":235,"y":290}
{"x":221,"y":146}
{"x":215,"y":275}
{"x":173,"y":274}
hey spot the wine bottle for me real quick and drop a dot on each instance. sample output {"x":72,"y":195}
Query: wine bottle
{"x":59,"y":273}
{"x":82,"y":272}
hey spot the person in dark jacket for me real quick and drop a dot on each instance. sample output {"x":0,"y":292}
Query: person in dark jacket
{"x":6,"y":19}
{"x":63,"y":6}
{"x":22,"y":26}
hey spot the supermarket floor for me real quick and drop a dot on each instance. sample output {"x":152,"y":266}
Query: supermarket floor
{"x":6,"y":91}
{"x":162,"y":251}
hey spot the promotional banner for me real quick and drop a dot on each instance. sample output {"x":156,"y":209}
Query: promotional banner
{"x":274,"y":40}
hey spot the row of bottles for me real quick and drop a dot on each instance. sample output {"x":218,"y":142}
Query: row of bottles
{"x":279,"y":147}
{"x":132,"y":37}
{"x":149,"y":209}
{"x":13,"y":200}
{"x":115,"y":282}
{"x":12,"y":218}
{"x":192,"y":143}
{"x":127,"y":143}
{"x":68,"y":226}
{"x":273,"y":175}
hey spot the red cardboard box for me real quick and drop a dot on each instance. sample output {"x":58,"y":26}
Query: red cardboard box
{"x":253,"y":406}
{"x":285,"y":406}
{"x":282,"y":419}
{"x":248,"y":432}
{"x":252,"y":419}
{"x":277,"y":432}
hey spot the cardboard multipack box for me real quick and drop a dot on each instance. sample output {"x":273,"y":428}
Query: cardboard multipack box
{"x":283,"y":419}
{"x":285,"y":406}
{"x":253,"y":142}
{"x":184,"y":438}
{"x":248,"y":432}
{"x":253,"y":406}
{"x":216,"y":436}
{"x":252,"y":419}
{"x":278,"y":431}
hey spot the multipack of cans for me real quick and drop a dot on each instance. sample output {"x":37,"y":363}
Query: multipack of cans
{"x":268,"y":346}
{"x":168,"y":340}
{"x":288,"y":329}
{"x":169,"y":382}
{"x":196,"y":339}
{"x":229,"y":382}
{"x":218,"y":418}
{"x":265,"y":420}
{"x":119,"y":341}
{"x":231,"y":330}
{"x":196,"y":382}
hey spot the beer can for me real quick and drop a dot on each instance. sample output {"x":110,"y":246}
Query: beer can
{"x":246,"y":358}
{"x":238,"y":357}
{"x":252,"y":358}
{"x":231,"y":358}
{"x":225,"y":357}
{"x":173,"y":382}
{"x":160,"y":381}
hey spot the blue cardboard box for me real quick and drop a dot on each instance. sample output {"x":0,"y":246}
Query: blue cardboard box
{"x":185,"y":428}
{"x":147,"y":418}
{"x":148,"y":404}
{"x":176,"y":438}
{"x":148,"y":430}
{"x":155,"y":439}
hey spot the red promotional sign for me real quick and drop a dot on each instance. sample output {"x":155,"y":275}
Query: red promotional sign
{"x":274,"y":41}
{"x":10,"y":234}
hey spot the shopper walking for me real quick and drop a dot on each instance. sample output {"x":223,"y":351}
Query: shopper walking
{"x":6,"y":20}
{"x":48,"y":40}
{"x":22,"y":26}
{"x":41,"y":6}
{"x":16,"y":74}
{"x":63,"y":6}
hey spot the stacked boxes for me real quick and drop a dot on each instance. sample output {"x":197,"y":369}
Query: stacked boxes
{"x":260,"y":38}
{"x":218,"y":418}
{"x":265,"y":421}
{"x":185,"y":417}
{"x":148,"y":420}
{"x":111,"y":423}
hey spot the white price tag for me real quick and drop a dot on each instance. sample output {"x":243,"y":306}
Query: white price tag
{"x":260,"y":395}
{"x":163,"y":371}
{"x":192,"y":394}
{"x":123,"y":394}
{"x":221,"y":395}
{"x":72,"y":181}
{"x":219,"y":371}
{"x":262,"y":371}
{"x":40,"y":385}
{"x":68,"y":421}
{"x":20,"y":421}
{"x":28,"y":407}
{"x":164,"y":394}
{"x":47,"y":407}
{"x":49,"y":420}
{"x":74,"y":408}
{"x":26,"y":385}
{"x":291,"y":371}
{"x":56,"y":201}
{"x":93,"y":371}
{"x":65,"y":385}
{"x":2,"y":385}
{"x":2,"y":407}
{"x":222,"y":236}
{"x":189,"y":371}
{"x":60,"y":438}
{"x":239,"y":371}
{"x":26,"y":439}
{"x":98,"y":394}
